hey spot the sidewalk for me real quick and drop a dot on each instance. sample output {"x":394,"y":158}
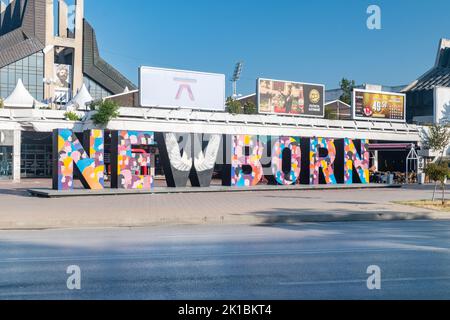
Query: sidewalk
{"x":18,"y":210}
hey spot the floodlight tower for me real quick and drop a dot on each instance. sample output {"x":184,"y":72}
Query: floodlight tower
{"x":236,"y":77}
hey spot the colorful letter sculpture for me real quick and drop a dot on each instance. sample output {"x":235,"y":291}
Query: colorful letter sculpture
{"x":354,"y":160}
{"x":183,"y":158}
{"x":245,"y":159}
{"x":246,"y":154}
{"x":126,"y":164}
{"x":176,"y":157}
{"x":326,"y":163}
{"x":204,"y":161}
{"x":279,"y":146}
{"x":69,"y":151}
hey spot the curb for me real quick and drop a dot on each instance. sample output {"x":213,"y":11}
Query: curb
{"x":49,"y":193}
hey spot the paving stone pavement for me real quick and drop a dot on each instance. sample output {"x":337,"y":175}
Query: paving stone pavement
{"x":20,"y":211}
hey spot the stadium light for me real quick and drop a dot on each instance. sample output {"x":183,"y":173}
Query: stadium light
{"x":236,"y":77}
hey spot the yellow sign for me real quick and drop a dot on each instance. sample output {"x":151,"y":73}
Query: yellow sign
{"x":385,"y":106}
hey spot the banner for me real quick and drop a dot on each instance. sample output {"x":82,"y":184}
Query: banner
{"x":442,"y":105}
{"x":168,"y":88}
{"x":379,"y":106}
{"x":62,"y":77}
{"x":290,"y":98}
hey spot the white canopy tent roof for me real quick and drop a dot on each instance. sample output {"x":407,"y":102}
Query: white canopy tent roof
{"x":21,"y":98}
{"x":80,"y":101}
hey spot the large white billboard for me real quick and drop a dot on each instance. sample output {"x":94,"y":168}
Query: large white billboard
{"x":442,"y":105}
{"x":168,"y":88}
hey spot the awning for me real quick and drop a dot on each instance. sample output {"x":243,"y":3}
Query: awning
{"x":391,"y":146}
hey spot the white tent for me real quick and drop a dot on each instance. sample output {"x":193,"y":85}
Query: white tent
{"x":21,"y":98}
{"x":80,"y":101}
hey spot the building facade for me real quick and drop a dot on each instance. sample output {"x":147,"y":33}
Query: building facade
{"x":420,"y":94}
{"x":51,"y":47}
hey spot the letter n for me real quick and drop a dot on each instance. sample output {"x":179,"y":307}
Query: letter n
{"x":67,"y":150}
{"x":354,"y":160}
{"x":127,"y":163}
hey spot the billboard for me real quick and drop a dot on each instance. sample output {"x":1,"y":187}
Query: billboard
{"x":290,"y":98}
{"x":168,"y":88}
{"x":441,"y":105}
{"x":379,"y":106}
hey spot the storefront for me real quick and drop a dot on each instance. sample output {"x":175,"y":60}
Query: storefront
{"x":6,"y":154}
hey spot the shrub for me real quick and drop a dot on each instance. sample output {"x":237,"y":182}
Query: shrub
{"x":233,"y":106}
{"x":250,"y":108}
{"x":72,"y":116}
{"x":106,"y":111}
{"x":2,"y":105}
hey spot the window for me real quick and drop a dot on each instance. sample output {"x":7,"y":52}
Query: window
{"x":30,"y":70}
{"x":95,"y":89}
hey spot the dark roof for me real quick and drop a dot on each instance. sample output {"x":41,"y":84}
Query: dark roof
{"x":439,"y":75}
{"x":98,"y":69}
{"x":22,"y":30}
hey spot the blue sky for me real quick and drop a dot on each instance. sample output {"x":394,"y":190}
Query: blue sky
{"x":317,"y":41}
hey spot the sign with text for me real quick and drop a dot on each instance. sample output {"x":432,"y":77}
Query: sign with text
{"x":167,"y":88}
{"x":379,"y":106}
{"x":291,"y":98}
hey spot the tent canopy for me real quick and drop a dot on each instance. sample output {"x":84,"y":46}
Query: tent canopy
{"x":80,"y":101}
{"x":21,"y":98}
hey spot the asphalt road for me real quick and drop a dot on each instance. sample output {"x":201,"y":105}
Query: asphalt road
{"x":306,"y":261}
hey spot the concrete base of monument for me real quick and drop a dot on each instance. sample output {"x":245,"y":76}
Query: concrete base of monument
{"x":49,"y":193}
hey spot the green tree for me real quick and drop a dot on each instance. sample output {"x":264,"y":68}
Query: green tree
{"x":439,"y":172}
{"x":233,"y":106}
{"x":437,"y":139}
{"x":347,"y":87}
{"x":106,"y":111}
{"x":250,"y":108}
{"x":2,"y":105}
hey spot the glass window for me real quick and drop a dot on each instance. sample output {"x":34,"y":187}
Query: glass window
{"x":95,"y":89}
{"x":30,"y":70}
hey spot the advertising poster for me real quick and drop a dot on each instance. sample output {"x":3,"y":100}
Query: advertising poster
{"x":290,"y":98}
{"x":379,"y":106}
{"x":167,"y":88}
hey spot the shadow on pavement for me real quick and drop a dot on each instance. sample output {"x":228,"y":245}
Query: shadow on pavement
{"x":283,"y":216}
{"x":15,"y":192}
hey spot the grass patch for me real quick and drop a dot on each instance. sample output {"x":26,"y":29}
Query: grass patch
{"x":428,"y":204}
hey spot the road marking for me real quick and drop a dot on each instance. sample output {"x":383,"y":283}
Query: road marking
{"x":325,"y":282}
{"x":179,"y":254}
